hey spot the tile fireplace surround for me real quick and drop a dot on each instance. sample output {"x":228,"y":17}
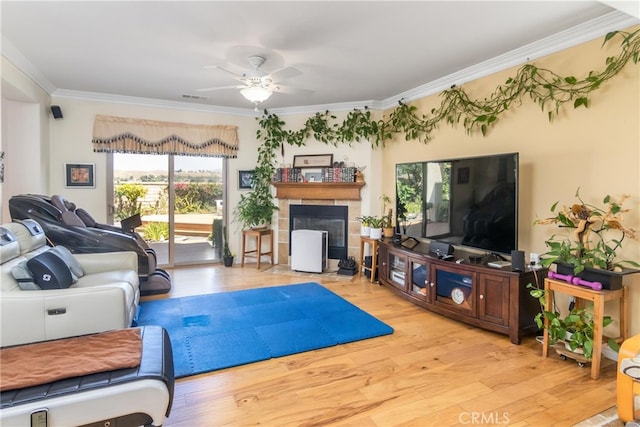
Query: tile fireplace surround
{"x":283,"y":227}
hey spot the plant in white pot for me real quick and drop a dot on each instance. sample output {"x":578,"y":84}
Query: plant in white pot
{"x":365,"y":225}
{"x":376,"y":224}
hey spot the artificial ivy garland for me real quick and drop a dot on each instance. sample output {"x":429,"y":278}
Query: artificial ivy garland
{"x":545,"y":87}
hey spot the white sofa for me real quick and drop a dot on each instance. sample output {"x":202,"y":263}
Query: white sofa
{"x":105,"y":298}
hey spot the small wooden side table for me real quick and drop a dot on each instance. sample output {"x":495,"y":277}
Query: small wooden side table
{"x":598,"y":299}
{"x":374,"y":257}
{"x":257,"y":252}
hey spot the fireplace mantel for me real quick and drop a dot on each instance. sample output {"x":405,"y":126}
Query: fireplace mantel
{"x":318,"y":190}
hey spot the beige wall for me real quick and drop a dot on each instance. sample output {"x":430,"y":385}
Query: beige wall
{"x":596,"y":149}
{"x":25,"y":136}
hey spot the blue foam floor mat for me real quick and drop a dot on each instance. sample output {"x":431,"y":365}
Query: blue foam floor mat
{"x":217,"y":331}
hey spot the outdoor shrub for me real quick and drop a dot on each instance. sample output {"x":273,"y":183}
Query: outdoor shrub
{"x":196,"y":197}
{"x":156,"y":231}
{"x":126,"y":199}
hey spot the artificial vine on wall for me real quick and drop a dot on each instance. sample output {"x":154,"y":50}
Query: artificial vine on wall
{"x":545,"y":87}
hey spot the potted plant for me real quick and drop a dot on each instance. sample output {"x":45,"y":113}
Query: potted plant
{"x":575,"y":329}
{"x":387,"y":224}
{"x":376,"y":223}
{"x":227,"y":256}
{"x":255,"y":209}
{"x":365,"y":225}
{"x":589,"y":251}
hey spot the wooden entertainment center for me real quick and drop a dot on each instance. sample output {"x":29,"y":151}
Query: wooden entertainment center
{"x":490,"y":298}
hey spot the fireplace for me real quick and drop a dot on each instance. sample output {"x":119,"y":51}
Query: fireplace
{"x":332,"y":218}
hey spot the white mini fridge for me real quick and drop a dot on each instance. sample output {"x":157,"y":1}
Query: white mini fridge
{"x":309,"y":250}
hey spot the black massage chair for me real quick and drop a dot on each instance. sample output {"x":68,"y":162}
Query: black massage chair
{"x":65,"y":224}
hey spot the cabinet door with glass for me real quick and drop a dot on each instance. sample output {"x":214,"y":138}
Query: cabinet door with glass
{"x":396,"y":270}
{"x":419,"y":284}
{"x":455,"y":289}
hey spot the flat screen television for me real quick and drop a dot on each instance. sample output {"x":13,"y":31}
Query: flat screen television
{"x":462,"y":201}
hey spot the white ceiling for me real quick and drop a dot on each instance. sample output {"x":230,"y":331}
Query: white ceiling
{"x":354,"y":53}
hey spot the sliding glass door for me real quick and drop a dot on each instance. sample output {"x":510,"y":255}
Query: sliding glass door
{"x":180,"y":201}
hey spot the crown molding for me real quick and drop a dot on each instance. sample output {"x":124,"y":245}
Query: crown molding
{"x":150,"y":102}
{"x":584,"y":32}
{"x":574,"y":36}
{"x":312,"y":109}
{"x":13,"y":55}
{"x":250,"y":112}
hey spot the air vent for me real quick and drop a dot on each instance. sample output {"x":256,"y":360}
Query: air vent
{"x":189,"y":96}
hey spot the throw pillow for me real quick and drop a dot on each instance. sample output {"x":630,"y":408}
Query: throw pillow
{"x":70,"y":260}
{"x":50,"y":271}
{"x":23,"y":276}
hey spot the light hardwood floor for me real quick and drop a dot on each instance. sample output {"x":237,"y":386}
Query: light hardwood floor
{"x":431,"y":371}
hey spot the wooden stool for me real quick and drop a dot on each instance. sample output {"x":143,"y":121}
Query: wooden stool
{"x":257,"y":252}
{"x":374,"y":257}
{"x":598,"y":298}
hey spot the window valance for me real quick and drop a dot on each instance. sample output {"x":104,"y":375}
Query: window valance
{"x":126,"y":135}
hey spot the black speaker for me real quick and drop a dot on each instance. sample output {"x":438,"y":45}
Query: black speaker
{"x":368,"y":260}
{"x":440,"y":249}
{"x":517,"y":261}
{"x":56,"y":111}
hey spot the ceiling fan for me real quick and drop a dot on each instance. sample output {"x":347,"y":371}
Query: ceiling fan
{"x":257,"y":85}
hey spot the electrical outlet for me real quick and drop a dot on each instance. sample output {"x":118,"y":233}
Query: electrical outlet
{"x":534,"y":259}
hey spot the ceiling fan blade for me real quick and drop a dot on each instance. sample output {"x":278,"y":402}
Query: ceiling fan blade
{"x":284,"y":73}
{"x":210,"y":89}
{"x":236,"y":76}
{"x":292,"y":90}
{"x":240,"y":76}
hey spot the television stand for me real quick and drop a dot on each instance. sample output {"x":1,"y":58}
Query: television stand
{"x":496,"y":299}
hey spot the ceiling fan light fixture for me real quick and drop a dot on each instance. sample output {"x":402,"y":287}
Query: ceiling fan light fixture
{"x":256,"y":94}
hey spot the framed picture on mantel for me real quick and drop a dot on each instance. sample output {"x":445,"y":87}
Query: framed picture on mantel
{"x":313,"y":161}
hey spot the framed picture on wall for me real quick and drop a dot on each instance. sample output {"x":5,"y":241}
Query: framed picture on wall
{"x":80,"y":175}
{"x":245,"y":180}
